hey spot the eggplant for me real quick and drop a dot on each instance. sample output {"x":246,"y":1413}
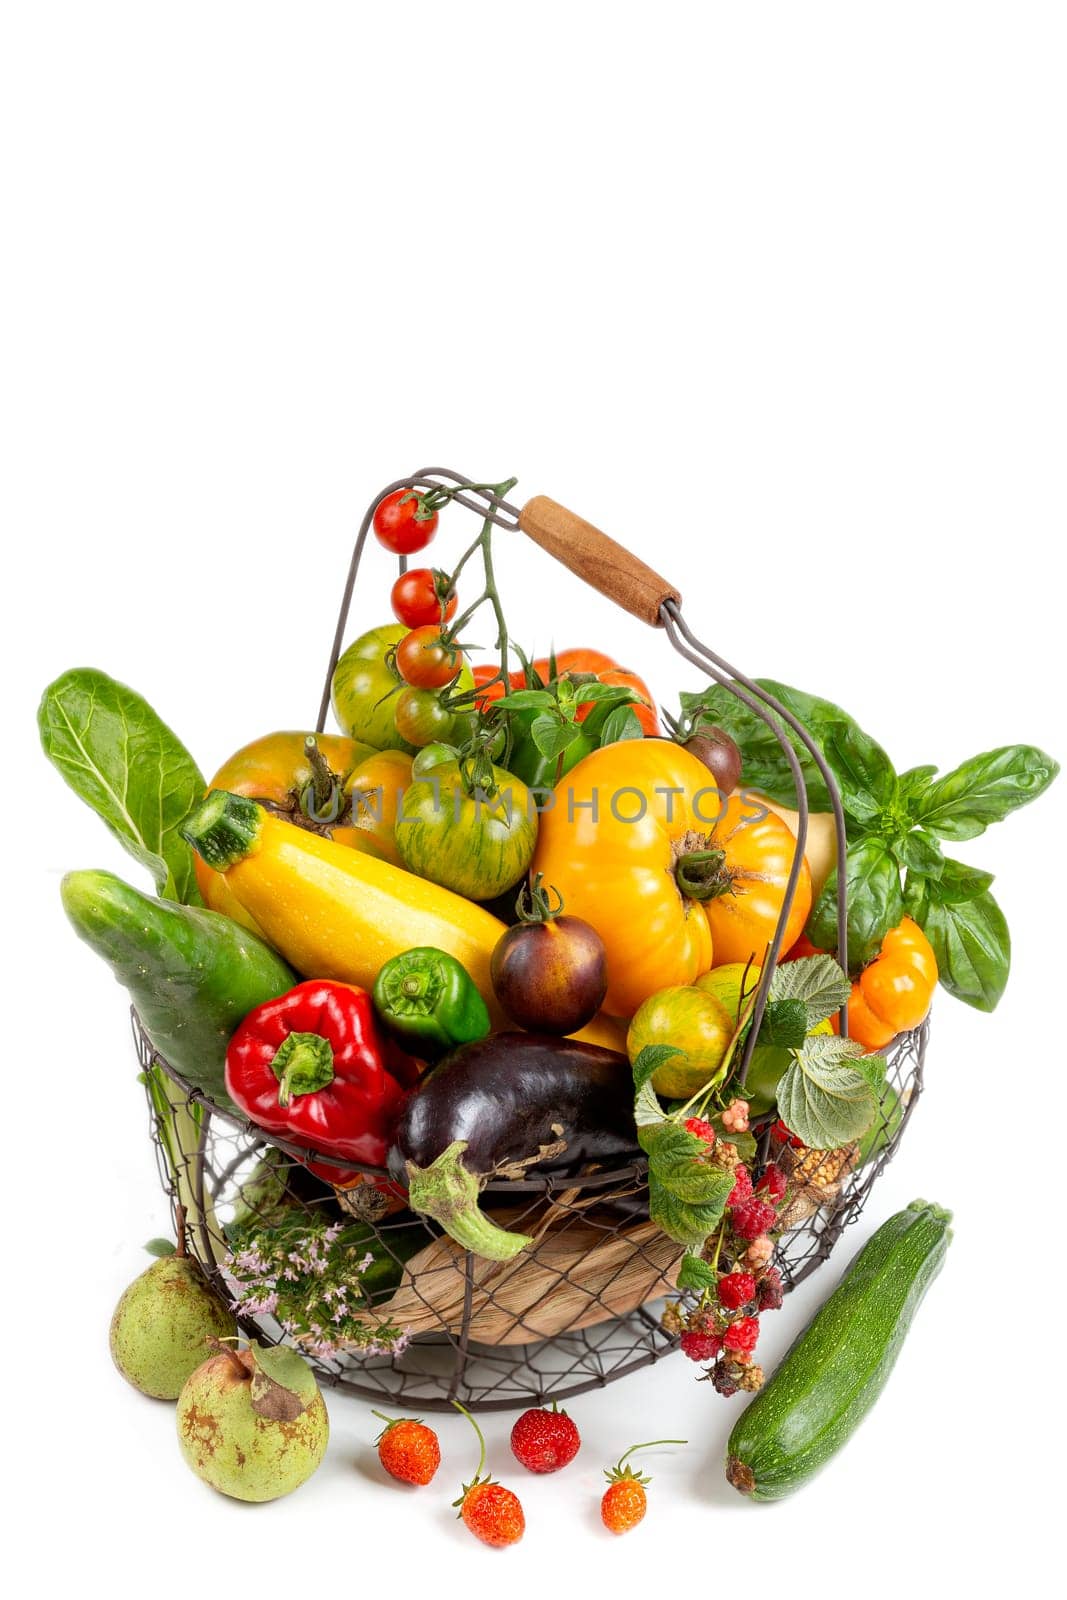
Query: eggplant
{"x":503,"y":1106}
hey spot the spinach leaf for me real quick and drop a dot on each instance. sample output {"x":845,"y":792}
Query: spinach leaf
{"x":824,"y":1097}
{"x":970,"y":940}
{"x":984,"y":789}
{"x":765,"y":764}
{"x":121,"y":759}
{"x":875,"y":902}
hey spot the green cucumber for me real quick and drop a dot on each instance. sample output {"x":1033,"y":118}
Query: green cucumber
{"x":833,"y":1374}
{"x":192,"y":975}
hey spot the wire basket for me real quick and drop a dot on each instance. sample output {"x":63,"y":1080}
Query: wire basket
{"x":581,"y":1305}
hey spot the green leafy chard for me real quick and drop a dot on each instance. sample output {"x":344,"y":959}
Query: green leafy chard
{"x":123,"y":761}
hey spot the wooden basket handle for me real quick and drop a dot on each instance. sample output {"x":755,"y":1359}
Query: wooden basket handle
{"x":597,"y":559}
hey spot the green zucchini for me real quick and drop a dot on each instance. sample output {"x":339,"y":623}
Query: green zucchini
{"x":835,"y":1371}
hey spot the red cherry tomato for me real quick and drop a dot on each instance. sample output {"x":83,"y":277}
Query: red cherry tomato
{"x":418,"y":595}
{"x":424,"y":662}
{"x":421,"y":719}
{"x":399,"y":527}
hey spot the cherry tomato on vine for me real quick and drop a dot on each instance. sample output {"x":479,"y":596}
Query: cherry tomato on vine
{"x":417,"y":597}
{"x":398,"y":527}
{"x":421,"y":719}
{"x":424,"y":662}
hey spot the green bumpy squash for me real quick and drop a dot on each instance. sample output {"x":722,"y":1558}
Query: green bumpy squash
{"x":192,"y":974}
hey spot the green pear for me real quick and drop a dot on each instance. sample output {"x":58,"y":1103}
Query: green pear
{"x":252,"y":1422}
{"x":162,"y":1324}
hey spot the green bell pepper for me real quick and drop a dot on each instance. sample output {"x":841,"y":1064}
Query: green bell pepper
{"x":430,"y":1002}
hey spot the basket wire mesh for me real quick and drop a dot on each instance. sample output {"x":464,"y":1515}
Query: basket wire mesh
{"x":583,"y":1307}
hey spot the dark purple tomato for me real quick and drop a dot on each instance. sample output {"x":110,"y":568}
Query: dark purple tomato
{"x":551,"y":977}
{"x":719,"y":754}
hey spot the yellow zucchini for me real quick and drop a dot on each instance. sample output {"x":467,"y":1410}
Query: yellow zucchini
{"x":334,"y":912}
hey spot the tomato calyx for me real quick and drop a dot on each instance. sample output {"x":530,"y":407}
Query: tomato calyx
{"x":321,"y":800}
{"x":700,"y":869}
{"x":534,"y":903}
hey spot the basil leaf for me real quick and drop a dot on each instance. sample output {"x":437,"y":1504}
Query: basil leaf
{"x":551,"y":736}
{"x":971,"y":942}
{"x":956,"y":882}
{"x":920,"y":852}
{"x":124,"y":762}
{"x":913,"y":783}
{"x":984,"y":789}
{"x":875,"y":902}
{"x":621,"y":724}
{"x":824,"y":1098}
{"x":785,"y":1022}
{"x":865,"y":775}
{"x":816,"y":980}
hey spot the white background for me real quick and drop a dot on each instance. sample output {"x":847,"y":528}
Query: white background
{"x":773,"y":293}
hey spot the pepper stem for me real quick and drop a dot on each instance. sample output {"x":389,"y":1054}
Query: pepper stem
{"x":699,"y":874}
{"x":302,"y":1064}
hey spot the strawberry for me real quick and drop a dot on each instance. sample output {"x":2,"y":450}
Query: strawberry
{"x":624,"y":1501}
{"x":408,"y":1449}
{"x":544,"y":1441}
{"x":492,"y":1513}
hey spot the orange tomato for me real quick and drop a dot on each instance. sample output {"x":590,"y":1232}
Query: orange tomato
{"x":276,"y":771}
{"x":758,"y":855}
{"x":376,"y":790}
{"x":637,"y":835}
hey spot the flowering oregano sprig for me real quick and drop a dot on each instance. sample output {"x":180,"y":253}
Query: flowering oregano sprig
{"x":310,"y":1281}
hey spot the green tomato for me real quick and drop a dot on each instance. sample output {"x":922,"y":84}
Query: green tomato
{"x":769,"y":1061}
{"x":478,"y":845}
{"x":421,"y":719}
{"x":366,"y":688}
{"x":696,"y":1024}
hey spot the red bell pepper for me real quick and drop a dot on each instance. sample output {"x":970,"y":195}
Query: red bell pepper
{"x":310,"y":1066}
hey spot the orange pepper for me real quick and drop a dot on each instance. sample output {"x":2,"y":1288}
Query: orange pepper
{"x":894,"y":992}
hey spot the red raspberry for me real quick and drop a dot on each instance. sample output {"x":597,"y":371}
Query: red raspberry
{"x":700,"y":1130}
{"x":722,"y":1380}
{"x":736,"y":1289}
{"x":772,"y":1183}
{"x":742,"y":1189}
{"x":700,"y":1346}
{"x":544,"y":1441}
{"x":783,"y":1135}
{"x":752,"y":1218}
{"x":741,"y":1336}
{"x":771,"y":1291}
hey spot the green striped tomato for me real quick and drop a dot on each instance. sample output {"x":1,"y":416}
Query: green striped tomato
{"x":478,"y":845}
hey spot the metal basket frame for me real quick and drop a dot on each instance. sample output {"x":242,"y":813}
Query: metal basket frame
{"x":450,"y":1363}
